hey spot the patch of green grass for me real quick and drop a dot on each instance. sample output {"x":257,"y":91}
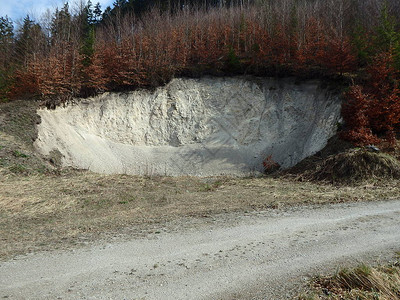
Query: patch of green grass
{"x":126,"y":198}
{"x":17,"y":153}
{"x":363,"y":270}
{"x":208,"y":187}
{"x":17,"y":169}
{"x":42,"y":169}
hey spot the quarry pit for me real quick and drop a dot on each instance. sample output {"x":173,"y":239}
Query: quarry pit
{"x":199,"y":127}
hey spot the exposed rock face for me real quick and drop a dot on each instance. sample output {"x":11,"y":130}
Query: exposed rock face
{"x":207,"y":126}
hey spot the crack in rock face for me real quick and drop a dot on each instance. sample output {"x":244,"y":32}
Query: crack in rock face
{"x":202,"y":127}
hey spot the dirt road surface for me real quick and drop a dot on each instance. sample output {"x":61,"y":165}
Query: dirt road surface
{"x":263,"y":255}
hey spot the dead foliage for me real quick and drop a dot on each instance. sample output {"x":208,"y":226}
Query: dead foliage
{"x":340,"y":163}
{"x":350,"y":167}
{"x":364,"y":283}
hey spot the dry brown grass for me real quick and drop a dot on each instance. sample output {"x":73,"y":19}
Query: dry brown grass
{"x":362,"y":283}
{"x":43,"y":208}
{"x":352,"y":167}
{"x":39,"y":212}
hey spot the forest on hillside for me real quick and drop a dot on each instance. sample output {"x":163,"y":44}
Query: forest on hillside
{"x":82,"y":50}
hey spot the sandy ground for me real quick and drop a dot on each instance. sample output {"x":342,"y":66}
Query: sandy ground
{"x":261,"y":255}
{"x":200,"y":127}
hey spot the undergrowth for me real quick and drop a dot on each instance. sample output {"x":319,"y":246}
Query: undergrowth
{"x":353,"y":166}
{"x":361,"y":283}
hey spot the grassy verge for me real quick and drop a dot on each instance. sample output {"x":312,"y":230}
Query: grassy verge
{"x":17,"y":133}
{"x":40,"y":212}
{"x":43,"y":208}
{"x":363,"y":283}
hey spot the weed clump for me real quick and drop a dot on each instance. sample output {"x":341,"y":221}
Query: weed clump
{"x":353,"y":166}
{"x":364,"y":282}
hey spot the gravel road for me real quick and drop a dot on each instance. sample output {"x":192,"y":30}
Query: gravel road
{"x":263,"y":255}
